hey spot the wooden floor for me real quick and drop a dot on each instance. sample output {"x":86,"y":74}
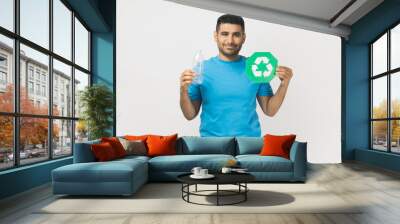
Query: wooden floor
{"x":377,"y":188}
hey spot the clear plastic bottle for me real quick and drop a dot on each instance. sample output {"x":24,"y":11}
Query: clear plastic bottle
{"x":198,"y":67}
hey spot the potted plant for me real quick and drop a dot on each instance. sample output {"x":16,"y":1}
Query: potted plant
{"x":96,"y":102}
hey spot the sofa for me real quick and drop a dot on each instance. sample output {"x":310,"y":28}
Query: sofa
{"x":126,"y":175}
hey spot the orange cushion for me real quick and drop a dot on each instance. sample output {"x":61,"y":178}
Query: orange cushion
{"x":161,"y":145}
{"x":142,"y":138}
{"x":116,"y":145}
{"x":136,"y":137}
{"x":277,"y":145}
{"x":103,"y":151}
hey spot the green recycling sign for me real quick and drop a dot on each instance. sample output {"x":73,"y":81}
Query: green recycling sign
{"x":261,"y":67}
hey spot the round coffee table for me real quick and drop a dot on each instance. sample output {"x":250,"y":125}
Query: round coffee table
{"x":238,"y":179}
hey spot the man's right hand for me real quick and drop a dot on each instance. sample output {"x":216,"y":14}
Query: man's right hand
{"x":186,"y":79}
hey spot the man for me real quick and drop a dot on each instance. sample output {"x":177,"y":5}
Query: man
{"x":227,"y":96}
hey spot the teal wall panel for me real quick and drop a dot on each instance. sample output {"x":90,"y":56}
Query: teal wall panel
{"x":356,"y":83}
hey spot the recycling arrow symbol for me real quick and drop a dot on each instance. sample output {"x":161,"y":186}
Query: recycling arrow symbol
{"x":261,"y":67}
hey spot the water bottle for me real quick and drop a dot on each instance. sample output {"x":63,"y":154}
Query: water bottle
{"x":197,"y":67}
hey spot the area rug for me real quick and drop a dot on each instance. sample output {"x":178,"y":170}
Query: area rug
{"x":167,"y":198}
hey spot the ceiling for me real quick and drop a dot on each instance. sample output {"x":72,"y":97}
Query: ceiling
{"x":326,"y":16}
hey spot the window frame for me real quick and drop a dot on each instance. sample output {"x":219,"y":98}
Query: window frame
{"x":15,"y":72}
{"x":388,"y":73}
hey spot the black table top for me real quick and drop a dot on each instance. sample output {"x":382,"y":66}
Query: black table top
{"x":220,"y":178}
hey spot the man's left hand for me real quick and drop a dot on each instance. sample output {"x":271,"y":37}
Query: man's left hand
{"x":284,"y":74}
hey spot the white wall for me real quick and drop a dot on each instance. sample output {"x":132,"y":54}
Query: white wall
{"x":156,"y":41}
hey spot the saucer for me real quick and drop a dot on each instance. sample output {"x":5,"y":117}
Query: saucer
{"x":208,"y":176}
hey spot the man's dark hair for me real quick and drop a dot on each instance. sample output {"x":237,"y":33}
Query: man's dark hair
{"x":228,"y":18}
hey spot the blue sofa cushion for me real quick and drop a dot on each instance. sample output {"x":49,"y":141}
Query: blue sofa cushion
{"x":185,"y":163}
{"x":249,"y":145}
{"x":257,"y":163}
{"x":130,"y":158}
{"x":111,"y":171}
{"x":83,"y":153}
{"x":193,"y":145}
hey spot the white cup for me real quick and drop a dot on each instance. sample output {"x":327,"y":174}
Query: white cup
{"x":203,"y":172}
{"x":196,"y":170}
{"x":226,"y":170}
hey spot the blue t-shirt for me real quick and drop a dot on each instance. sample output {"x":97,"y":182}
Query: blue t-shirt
{"x":228,"y":99}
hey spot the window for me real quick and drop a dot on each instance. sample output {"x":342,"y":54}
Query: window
{"x":37,"y":89}
{"x":7,"y":14}
{"x":62,"y":29}
{"x":81,"y":81}
{"x":6,"y":73}
{"x":62,"y":140}
{"x":34,"y":75}
{"x":62,"y":75}
{"x":30,"y":87}
{"x":33,"y":149}
{"x":37,"y":74}
{"x":43,"y":90}
{"x":3,"y":61}
{"x":81,"y":45}
{"x":3,"y":72}
{"x":7,"y":142}
{"x":35,"y":21}
{"x":3,"y":78}
{"x":43,"y":77}
{"x":30,"y":72}
{"x":385,"y":91}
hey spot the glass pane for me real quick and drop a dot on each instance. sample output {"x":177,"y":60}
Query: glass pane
{"x":379,"y":55}
{"x":62,"y":29}
{"x":6,"y":142}
{"x":6,"y":74}
{"x":62,"y":138}
{"x":395,"y":47}
{"x":379,"y":98}
{"x":62,"y":89}
{"x":395,"y":136}
{"x":81,"y":45}
{"x":33,"y":139}
{"x":379,"y":135}
{"x":81,"y":131}
{"x":395,"y":94}
{"x":81,"y":81}
{"x":35,"y":21}
{"x":7,"y":14}
{"x":34,"y":82}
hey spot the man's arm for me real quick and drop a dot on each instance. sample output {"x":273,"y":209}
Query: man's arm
{"x":189,"y":108}
{"x":271,"y":104}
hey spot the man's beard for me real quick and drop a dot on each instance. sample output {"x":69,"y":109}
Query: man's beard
{"x":230,"y":53}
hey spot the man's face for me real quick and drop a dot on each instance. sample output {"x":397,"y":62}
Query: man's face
{"x":229,"y":38}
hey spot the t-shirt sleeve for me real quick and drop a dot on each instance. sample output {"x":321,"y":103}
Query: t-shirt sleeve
{"x":194,"y":92}
{"x":265,"y":90}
